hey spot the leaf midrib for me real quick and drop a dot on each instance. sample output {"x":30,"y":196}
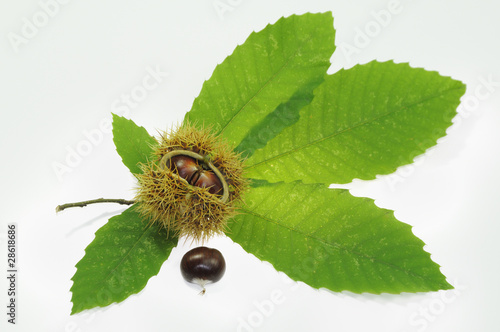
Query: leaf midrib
{"x":406,"y":107}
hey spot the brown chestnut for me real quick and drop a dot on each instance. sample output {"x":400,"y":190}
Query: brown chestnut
{"x":202,"y":266}
{"x":186,"y":166}
{"x":189,"y":169}
{"x":208,"y":179}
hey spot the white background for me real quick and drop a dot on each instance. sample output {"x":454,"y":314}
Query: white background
{"x":71,"y":72}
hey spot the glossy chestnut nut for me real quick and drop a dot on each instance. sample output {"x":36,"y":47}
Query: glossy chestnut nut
{"x":186,"y":166}
{"x":189,"y":169}
{"x":207,"y":179}
{"x":202,"y":266}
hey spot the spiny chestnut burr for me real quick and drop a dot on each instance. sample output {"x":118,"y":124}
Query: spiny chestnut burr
{"x":202,"y":266}
{"x":192,"y":184}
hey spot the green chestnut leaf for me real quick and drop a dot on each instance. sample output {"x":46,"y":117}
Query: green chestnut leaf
{"x":133,"y":143}
{"x":266,"y":71}
{"x":124,"y":255}
{"x":282,"y":117}
{"x":364,"y":121}
{"x":329,"y":238}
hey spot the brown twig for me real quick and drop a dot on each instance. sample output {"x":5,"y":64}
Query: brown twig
{"x":93,"y":201}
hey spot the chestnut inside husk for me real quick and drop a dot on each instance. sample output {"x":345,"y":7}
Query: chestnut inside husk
{"x":195,"y":173}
